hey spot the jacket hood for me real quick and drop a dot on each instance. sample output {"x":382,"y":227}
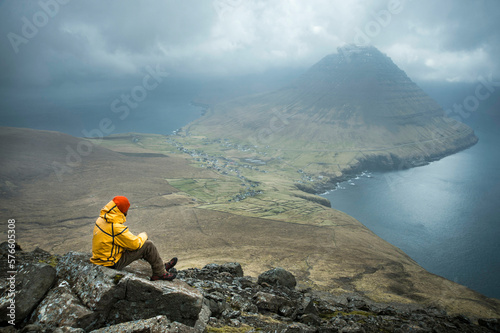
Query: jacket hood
{"x":112,"y":214}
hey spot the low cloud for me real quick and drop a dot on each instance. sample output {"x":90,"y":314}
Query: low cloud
{"x":94,"y":41}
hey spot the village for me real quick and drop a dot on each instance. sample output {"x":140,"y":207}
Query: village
{"x":226,"y":166}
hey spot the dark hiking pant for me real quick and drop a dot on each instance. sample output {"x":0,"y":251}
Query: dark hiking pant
{"x":147,"y":252}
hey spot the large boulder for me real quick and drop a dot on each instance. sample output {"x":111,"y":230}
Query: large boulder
{"x":159,"y":324}
{"x":146,"y":299}
{"x":29,"y":285}
{"x":117,"y":296}
{"x":267,"y":302}
{"x":278,"y":277}
{"x":61,"y":308}
{"x":233,"y":268}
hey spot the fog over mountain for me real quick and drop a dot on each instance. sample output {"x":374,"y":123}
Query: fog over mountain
{"x":343,"y":105}
{"x":76,"y":57}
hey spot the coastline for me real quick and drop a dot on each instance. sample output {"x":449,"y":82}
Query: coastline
{"x":433,"y":213}
{"x":393,"y":162}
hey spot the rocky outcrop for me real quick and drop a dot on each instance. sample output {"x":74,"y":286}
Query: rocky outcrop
{"x":115,"y":297}
{"x":216,"y":298}
{"x":269,"y":306}
{"x":61,"y":307}
{"x":278,"y":277}
{"x":89,"y":297}
{"x":24,"y":290}
{"x":158,"y":324}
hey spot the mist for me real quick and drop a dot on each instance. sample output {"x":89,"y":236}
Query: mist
{"x":63,"y":63}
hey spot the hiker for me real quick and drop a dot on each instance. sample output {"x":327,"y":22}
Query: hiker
{"x":114,"y":246}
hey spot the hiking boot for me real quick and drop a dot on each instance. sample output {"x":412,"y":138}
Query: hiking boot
{"x":166,"y":277}
{"x":170,"y":264}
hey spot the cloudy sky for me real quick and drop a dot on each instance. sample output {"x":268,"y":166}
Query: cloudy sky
{"x":66,"y":50}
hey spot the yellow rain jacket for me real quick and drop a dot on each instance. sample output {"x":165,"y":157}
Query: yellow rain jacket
{"x":111,"y":238}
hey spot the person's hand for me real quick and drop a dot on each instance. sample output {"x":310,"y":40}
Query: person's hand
{"x":143,"y":235}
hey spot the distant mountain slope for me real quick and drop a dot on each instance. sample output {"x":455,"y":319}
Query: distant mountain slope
{"x":29,"y":154}
{"x":360,"y":103}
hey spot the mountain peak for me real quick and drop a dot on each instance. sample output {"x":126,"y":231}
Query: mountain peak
{"x":354,"y":101}
{"x":350,"y":57}
{"x":364,"y":80}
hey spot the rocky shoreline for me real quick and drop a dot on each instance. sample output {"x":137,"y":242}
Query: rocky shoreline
{"x":392,"y":162}
{"x":69,"y":294}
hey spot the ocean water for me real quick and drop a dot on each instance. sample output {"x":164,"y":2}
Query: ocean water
{"x":445,"y":215}
{"x":161,"y":112}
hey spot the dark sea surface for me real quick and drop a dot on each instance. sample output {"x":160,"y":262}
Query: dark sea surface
{"x":445,"y":215}
{"x":162,"y":111}
{"x":158,"y":119}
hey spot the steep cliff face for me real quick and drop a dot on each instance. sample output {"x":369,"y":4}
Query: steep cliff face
{"x":363,"y":84}
{"x":355,"y":101}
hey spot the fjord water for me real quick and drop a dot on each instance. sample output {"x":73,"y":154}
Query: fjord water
{"x":445,"y":215}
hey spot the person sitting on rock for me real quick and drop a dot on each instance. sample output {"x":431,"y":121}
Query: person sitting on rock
{"x":114,"y":246}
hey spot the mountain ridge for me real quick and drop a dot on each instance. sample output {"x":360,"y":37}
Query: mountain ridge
{"x":363,"y":103}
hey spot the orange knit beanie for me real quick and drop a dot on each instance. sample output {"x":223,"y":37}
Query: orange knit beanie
{"x":122,"y":203}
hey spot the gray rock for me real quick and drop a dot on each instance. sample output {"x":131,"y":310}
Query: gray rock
{"x":145,"y":299}
{"x":31,"y":283}
{"x":299,"y":328}
{"x":492,"y":323}
{"x":96,"y":286}
{"x":232,"y":268}
{"x":217,"y":304}
{"x":33,"y":328}
{"x":310,"y":319}
{"x":267,"y":302}
{"x":243,"y":282}
{"x":158,"y":324}
{"x":62,"y":308}
{"x":118,"y":296}
{"x":203,"y":317}
{"x":8,"y":329}
{"x":308,"y":306}
{"x":243,"y":304}
{"x":66,"y":329}
{"x":278,"y":276}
